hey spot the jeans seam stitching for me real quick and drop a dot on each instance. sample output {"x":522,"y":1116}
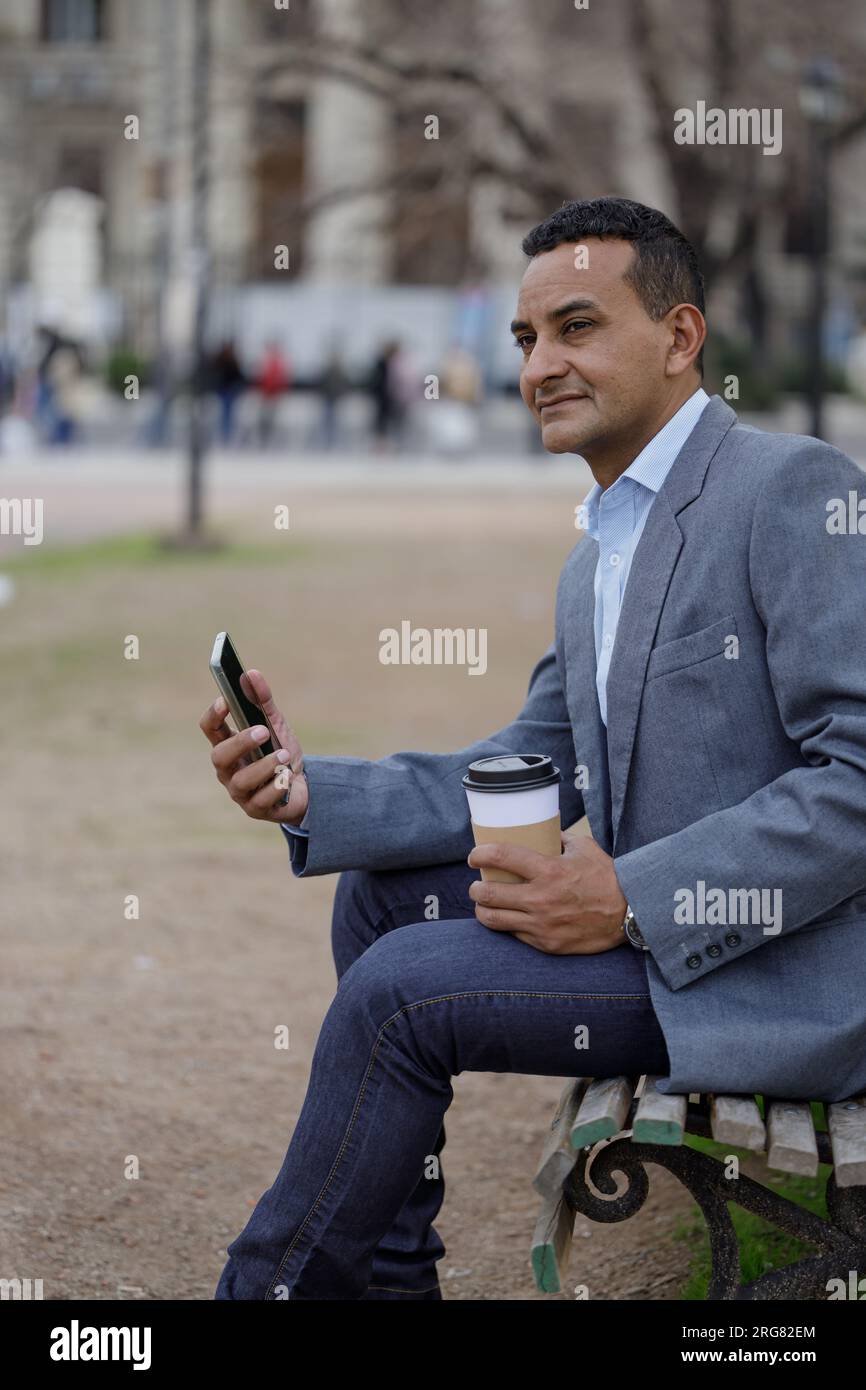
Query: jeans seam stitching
{"x":323,"y":1191}
{"x":420,"y":1004}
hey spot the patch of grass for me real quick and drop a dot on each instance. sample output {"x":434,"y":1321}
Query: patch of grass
{"x":142,"y":550}
{"x":762,"y":1245}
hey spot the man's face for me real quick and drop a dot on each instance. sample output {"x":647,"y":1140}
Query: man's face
{"x":593,"y":368}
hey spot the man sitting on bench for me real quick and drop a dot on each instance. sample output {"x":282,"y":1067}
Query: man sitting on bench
{"x":704,"y":699}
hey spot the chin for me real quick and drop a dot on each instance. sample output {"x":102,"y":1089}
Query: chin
{"x":559,"y":439}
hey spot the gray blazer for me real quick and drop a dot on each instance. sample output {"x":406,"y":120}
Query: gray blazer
{"x":731,"y":789}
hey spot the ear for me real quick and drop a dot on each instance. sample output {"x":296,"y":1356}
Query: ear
{"x":688,"y":330}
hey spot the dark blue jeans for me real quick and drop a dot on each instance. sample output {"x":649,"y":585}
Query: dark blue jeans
{"x":425,"y":992}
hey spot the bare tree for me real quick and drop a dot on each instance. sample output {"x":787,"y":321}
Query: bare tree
{"x":508,"y":104}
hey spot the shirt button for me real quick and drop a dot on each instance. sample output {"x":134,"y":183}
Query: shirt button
{"x":614,"y":559}
{"x":693,"y":961}
{"x":732,"y":939}
{"x":714,"y":950}
{"x":608,"y":640}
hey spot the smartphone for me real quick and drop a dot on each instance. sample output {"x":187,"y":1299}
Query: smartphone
{"x":229,"y":675}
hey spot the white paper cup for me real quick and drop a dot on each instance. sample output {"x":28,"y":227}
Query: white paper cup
{"x":514,"y":799}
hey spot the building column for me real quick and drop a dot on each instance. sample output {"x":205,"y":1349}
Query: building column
{"x":347,"y":146}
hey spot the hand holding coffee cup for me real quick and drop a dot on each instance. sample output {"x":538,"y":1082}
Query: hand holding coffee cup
{"x":514,"y":800}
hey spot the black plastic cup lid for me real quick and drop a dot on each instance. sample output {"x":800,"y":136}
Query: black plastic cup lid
{"x":511,"y":772}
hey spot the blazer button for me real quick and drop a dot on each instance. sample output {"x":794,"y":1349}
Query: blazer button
{"x":732,"y":939}
{"x":714,"y":950}
{"x":693,"y":961}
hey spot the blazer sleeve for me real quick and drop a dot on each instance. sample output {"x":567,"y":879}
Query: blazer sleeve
{"x":410,"y":809}
{"x":297,"y":836}
{"x":805,"y":832}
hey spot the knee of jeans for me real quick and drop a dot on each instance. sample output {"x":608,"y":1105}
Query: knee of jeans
{"x":391,"y":974}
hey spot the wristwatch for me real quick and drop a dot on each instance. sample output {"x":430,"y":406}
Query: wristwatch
{"x":632,"y":931}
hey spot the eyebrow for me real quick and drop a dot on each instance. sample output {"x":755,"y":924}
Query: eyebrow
{"x":573,"y":306}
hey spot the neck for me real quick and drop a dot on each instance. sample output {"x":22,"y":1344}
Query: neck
{"x":608,"y":458}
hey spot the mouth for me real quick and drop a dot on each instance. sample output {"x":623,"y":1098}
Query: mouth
{"x":560,"y":400}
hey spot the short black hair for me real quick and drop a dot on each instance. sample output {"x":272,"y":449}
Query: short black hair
{"x":665,"y":269}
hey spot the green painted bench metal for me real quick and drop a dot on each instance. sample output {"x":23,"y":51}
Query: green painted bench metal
{"x":602,"y":1127}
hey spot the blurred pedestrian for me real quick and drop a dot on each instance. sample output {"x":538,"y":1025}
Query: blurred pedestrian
{"x":333,"y":385}
{"x":275,"y":379}
{"x":453,"y":420}
{"x":44,"y":405}
{"x":228,"y":382}
{"x":380,"y":390}
{"x":855,"y":363}
{"x":8,"y":375}
{"x":61,"y":388}
{"x":394,"y":385}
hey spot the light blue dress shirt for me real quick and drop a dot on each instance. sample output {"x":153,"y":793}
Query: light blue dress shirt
{"x":615,"y":517}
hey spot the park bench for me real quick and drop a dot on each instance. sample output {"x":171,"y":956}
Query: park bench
{"x":602,"y":1127}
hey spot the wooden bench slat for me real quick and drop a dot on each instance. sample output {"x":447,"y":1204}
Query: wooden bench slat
{"x":659,"y":1119}
{"x":551,"y":1244}
{"x":737,"y":1120}
{"x":848,"y":1140}
{"x":602,"y":1111}
{"x":558,"y":1157}
{"x":791,"y":1138}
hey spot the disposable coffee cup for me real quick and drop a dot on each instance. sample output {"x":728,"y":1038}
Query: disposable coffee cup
{"x":514,"y":800}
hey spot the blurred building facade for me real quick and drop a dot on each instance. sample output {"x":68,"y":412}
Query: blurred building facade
{"x":96,"y":96}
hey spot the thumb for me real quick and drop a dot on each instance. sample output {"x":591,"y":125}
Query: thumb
{"x":265,"y":700}
{"x":261,"y":690}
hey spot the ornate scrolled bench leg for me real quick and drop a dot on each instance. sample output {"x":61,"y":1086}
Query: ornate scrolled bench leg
{"x":840,"y":1244}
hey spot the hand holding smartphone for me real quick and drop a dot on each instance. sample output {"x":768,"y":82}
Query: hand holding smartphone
{"x":232,"y":679}
{"x":247,"y":768}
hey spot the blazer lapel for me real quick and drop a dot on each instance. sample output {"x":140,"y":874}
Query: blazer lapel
{"x":590,"y":742}
{"x":649,"y":577}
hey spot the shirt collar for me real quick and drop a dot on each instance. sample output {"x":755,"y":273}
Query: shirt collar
{"x":655,"y":459}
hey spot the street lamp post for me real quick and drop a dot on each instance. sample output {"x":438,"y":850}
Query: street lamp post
{"x":200,"y":253}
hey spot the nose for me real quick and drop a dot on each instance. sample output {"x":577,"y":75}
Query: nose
{"x":546,"y":362}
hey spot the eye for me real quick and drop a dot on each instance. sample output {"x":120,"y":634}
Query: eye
{"x":577,"y":323}
{"x":524,"y":341}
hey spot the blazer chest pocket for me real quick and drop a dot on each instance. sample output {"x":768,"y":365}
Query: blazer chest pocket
{"x":689,"y":650}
